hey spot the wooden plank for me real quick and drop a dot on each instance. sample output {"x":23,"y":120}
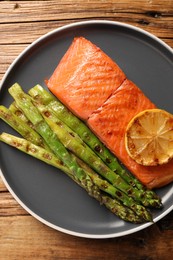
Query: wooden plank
{"x":23,"y":237}
{"x":9,"y":206}
{"x":2,"y":186}
{"x":8,"y":53}
{"x":13,"y":33}
{"x":23,"y":11}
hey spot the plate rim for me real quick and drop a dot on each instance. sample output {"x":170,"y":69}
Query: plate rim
{"x":47,"y":35}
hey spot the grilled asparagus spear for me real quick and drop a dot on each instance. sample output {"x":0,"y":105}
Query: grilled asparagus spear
{"x":31,"y":112}
{"x":25,"y":104}
{"x":21,"y":127}
{"x":19,"y":113}
{"x":48,"y":157}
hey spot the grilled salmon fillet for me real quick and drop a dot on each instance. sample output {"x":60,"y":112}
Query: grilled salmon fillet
{"x":94,"y":88}
{"x":85,"y":78}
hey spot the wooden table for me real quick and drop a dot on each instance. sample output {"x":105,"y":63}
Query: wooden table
{"x":22,"y":236}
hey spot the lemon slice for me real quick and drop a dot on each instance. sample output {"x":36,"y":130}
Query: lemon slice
{"x":149,"y":137}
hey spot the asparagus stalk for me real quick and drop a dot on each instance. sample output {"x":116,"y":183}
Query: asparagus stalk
{"x":15,"y":110}
{"x":21,"y":127}
{"x":72,"y":142}
{"x":34,"y":150}
{"x":48,"y":157}
{"x":25,"y":104}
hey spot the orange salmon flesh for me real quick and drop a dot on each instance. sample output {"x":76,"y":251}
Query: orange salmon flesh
{"x":85,"y":78}
{"x":95,"y":89}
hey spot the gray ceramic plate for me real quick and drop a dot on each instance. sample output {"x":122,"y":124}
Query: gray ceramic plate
{"x":48,"y":194}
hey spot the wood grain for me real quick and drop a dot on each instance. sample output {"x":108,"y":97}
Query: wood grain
{"x":33,"y":30}
{"x":46,"y":243}
{"x":37,"y":241}
{"x":59,"y":10}
{"x":21,"y":235}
